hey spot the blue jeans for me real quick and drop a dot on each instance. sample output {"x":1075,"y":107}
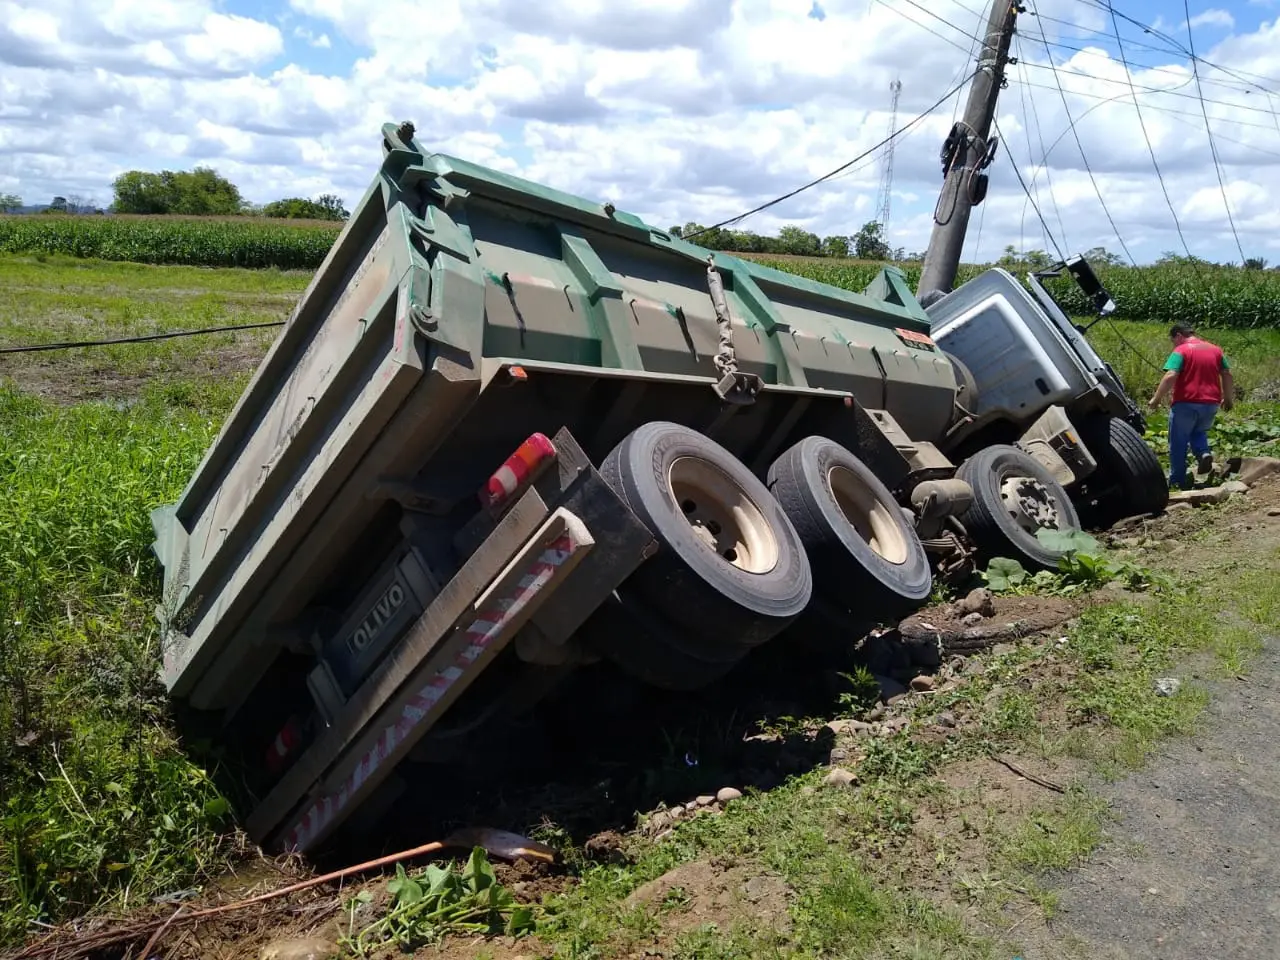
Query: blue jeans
{"x":1189,"y":423}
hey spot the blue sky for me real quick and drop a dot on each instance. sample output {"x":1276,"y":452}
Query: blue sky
{"x":678,"y":110}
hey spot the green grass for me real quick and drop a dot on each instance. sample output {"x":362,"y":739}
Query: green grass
{"x":54,"y":299}
{"x":203,"y":242}
{"x":97,"y":803}
{"x":1163,"y":295}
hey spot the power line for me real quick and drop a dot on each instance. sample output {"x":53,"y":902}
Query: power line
{"x":1152,"y":107}
{"x":1084,"y":159}
{"x":1142,"y":124}
{"x":1178,"y":47}
{"x":1043,"y":153}
{"x":844,"y":166}
{"x":1209,"y":131}
{"x":1034,"y":206}
{"x":67,"y":345}
{"x":1148,"y":89}
{"x":926,"y":29}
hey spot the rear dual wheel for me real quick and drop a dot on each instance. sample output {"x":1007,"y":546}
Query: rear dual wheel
{"x":730,"y":572}
{"x":868,"y":563}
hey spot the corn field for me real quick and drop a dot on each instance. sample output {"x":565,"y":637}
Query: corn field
{"x":185,"y":241}
{"x":1208,"y":296}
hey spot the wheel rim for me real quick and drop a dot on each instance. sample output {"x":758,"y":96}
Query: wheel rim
{"x":722,"y":515}
{"x":867,"y":515}
{"x":1030,"y":504}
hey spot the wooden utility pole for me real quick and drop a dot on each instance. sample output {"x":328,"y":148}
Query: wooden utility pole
{"x":967,"y":153}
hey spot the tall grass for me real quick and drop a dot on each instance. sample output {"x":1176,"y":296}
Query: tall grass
{"x":96,"y":800}
{"x":1166,"y":294}
{"x":187,"y":241}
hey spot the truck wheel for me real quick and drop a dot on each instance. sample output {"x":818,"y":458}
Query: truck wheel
{"x":643,"y":644}
{"x":1013,"y":497}
{"x":1129,"y":480}
{"x":863,"y":551}
{"x":730,"y":566}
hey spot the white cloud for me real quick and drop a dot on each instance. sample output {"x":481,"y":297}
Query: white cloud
{"x":674,"y":109}
{"x":1212,"y":18}
{"x":316,"y":40}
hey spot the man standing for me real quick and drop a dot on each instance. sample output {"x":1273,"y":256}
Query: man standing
{"x":1198,"y":374}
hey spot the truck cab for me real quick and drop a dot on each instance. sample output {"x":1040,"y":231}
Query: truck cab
{"x":1020,"y":358}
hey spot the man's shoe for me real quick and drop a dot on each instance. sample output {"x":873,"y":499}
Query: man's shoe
{"x":1205,"y":464}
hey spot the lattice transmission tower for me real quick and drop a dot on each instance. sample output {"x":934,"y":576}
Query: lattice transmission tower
{"x":886,"y":165}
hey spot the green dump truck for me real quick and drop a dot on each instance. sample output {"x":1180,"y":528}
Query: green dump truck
{"x":506,"y":428}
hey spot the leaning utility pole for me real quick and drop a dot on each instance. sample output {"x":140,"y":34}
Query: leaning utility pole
{"x":967,"y":152}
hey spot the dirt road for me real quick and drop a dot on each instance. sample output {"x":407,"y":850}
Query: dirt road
{"x":1194,"y":870}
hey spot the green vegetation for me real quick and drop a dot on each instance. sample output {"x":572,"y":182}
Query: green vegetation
{"x":98,"y":805}
{"x":1202,"y":294}
{"x":233,"y":242}
{"x":324,"y":207}
{"x":198,"y":193}
{"x":97,"y":802}
{"x":436,"y":902}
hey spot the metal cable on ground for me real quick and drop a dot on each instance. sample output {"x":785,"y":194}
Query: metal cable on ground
{"x":1145,"y":136}
{"x":1034,"y":206}
{"x":1217,"y":166}
{"x":844,"y":166}
{"x":68,"y":345}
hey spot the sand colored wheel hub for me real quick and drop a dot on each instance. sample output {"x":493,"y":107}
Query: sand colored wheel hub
{"x":722,"y":515}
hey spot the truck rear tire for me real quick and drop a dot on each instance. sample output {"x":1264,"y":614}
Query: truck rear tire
{"x":646,"y":646}
{"x":730,"y":567}
{"x":1129,"y":480}
{"x":1013,"y":496}
{"x":864,"y":553}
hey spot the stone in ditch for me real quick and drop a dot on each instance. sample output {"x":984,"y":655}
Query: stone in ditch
{"x":922,"y":682}
{"x":705,"y":800}
{"x":978,"y":601}
{"x":1274,"y":512}
{"x":1235,"y":486}
{"x":1167,"y":686}
{"x":839,"y":777}
{"x":971,"y":619}
{"x":726,"y":794}
{"x":946,"y":720}
{"x":304,"y":948}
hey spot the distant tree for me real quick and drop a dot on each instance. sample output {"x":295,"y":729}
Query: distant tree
{"x":198,"y":192}
{"x":1030,"y":259}
{"x":1255,"y":263}
{"x":79,"y":204}
{"x":869,"y":242}
{"x":10,"y":203}
{"x":59,"y":205}
{"x":799,"y":242}
{"x":326,"y":207}
{"x":836,"y":246}
{"x":1104,"y":256}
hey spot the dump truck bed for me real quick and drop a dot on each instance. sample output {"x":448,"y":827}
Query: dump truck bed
{"x":460,"y":312}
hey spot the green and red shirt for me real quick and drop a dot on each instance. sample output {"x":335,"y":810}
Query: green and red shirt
{"x":1199,"y":364}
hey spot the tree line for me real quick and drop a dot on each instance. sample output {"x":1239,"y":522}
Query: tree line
{"x":204,"y":192}
{"x":201,"y":192}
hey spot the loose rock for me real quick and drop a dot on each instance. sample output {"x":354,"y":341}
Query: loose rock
{"x":978,"y":601}
{"x":971,"y":619}
{"x":305,"y":948}
{"x":946,"y":719}
{"x":889,"y":687}
{"x":1167,"y":686}
{"x":660,"y":820}
{"x":1274,"y":512}
{"x":1235,"y":486}
{"x":839,"y":777}
{"x":1253,"y":469}
{"x":838,"y":755}
{"x":841,"y":727}
{"x":705,"y":800}
{"x":922,"y":682}
{"x":727,"y":794}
